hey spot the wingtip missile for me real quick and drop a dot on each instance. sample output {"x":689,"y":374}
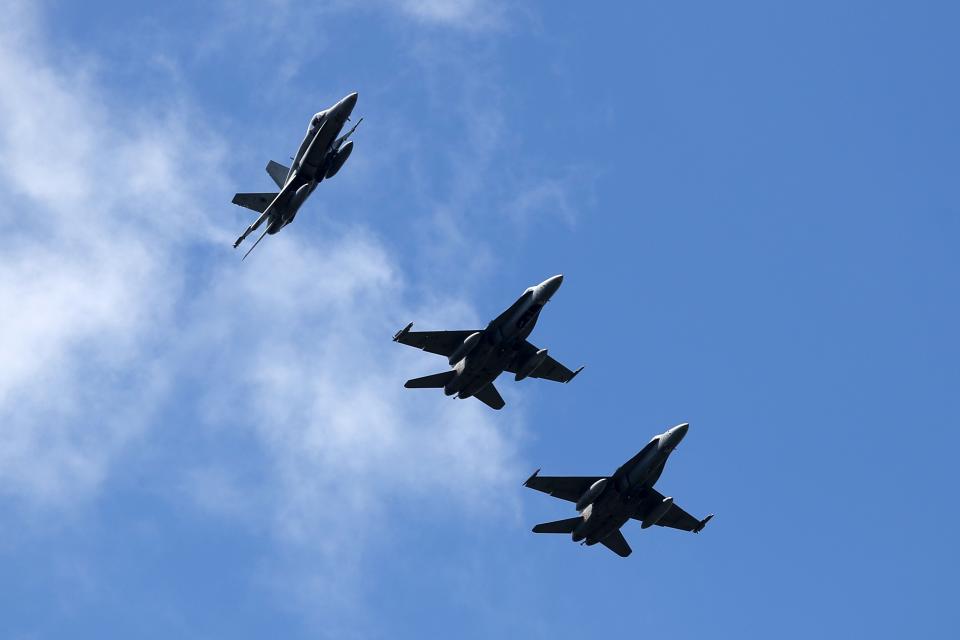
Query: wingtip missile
{"x":527,"y":481}
{"x":575,"y":374}
{"x":402,"y":332}
{"x":347,"y":135}
{"x":243,"y":236}
{"x":703,"y":523}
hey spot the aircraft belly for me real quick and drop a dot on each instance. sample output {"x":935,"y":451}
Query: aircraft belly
{"x":288,"y":203}
{"x":656,"y":473}
{"x":611,"y":522}
{"x":279,"y":218}
{"x":473,"y":382}
{"x":607,"y":514}
{"x":480,"y":369}
{"x":521,"y":324}
{"x":646,"y":470}
{"x":614,"y":524}
{"x":316,"y":154}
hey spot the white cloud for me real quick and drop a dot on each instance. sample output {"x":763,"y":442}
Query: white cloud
{"x":465,"y":14}
{"x":120,"y":294}
{"x":106,"y":323}
{"x":95,"y":200}
{"x":548,"y":198}
{"x":302,"y":361}
{"x":318,"y":379}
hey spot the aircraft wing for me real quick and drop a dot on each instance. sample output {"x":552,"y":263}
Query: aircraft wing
{"x":443,"y":343}
{"x":675,"y":517}
{"x":549,"y":369}
{"x":564,"y":487}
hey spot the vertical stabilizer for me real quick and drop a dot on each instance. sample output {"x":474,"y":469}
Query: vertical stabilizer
{"x":278,"y":172}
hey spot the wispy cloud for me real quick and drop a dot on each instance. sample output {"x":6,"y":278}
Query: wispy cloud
{"x":117,"y":309}
{"x":97,"y":202}
{"x":268,"y":390}
{"x":465,"y":14}
{"x":312,"y":376}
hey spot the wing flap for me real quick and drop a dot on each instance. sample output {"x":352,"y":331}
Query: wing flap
{"x":674,"y":518}
{"x":549,"y":369}
{"x":553,"y":370}
{"x":569,"y":488}
{"x":442,"y":343}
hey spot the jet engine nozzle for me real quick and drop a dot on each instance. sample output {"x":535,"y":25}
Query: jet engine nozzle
{"x":591,"y":494}
{"x":531,"y":365}
{"x":464,"y":349}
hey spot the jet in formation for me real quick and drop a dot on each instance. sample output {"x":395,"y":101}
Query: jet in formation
{"x":320,"y":156}
{"x":607,"y":503}
{"x":479,"y":356}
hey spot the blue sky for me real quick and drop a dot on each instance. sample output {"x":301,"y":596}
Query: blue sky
{"x":756,"y":211}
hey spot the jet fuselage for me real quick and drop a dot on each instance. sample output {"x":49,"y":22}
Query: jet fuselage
{"x":622,"y":493}
{"x":500,"y":341}
{"x":313,"y":160}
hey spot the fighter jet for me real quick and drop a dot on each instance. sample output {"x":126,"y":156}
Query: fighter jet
{"x":478,"y":357}
{"x":321,"y":154}
{"x":607,"y":503}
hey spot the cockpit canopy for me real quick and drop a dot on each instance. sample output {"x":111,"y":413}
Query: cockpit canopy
{"x":317,"y":120}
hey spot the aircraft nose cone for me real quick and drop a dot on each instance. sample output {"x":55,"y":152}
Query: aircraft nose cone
{"x":676,"y":434}
{"x":545,"y":290}
{"x":348,"y":103}
{"x":549,"y":286}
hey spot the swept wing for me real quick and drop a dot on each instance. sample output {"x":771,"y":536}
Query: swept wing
{"x":675,"y":517}
{"x":549,"y":369}
{"x":568,"y":488}
{"x":443,"y":343}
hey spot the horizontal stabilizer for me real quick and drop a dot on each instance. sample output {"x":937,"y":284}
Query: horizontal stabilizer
{"x":255,"y":201}
{"x":617,"y":543}
{"x":489,"y":396}
{"x":278,"y":172}
{"x":558,"y":526}
{"x":436,"y":381}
